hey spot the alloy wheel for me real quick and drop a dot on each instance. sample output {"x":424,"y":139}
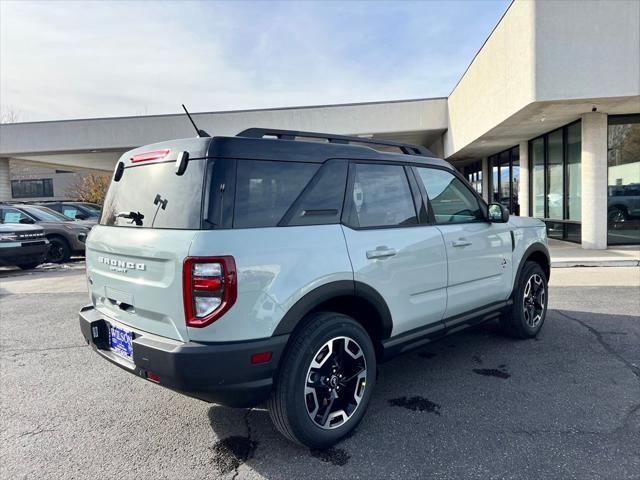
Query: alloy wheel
{"x":533,"y":301}
{"x":335,"y":382}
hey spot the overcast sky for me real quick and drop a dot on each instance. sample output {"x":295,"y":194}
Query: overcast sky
{"x":61,"y":60}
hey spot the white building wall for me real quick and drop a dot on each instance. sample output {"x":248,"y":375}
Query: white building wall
{"x":594,"y":181}
{"x":5,"y":182}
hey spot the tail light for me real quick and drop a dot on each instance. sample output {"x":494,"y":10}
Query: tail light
{"x":150,"y":156}
{"x":209,"y":286}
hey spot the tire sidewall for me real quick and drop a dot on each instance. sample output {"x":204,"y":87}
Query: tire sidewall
{"x":305,"y":429}
{"x":62,"y":244}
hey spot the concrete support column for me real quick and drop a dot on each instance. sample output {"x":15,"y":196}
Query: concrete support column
{"x":594,"y":181}
{"x":5,"y":182}
{"x":486,"y":175}
{"x":523,"y":185}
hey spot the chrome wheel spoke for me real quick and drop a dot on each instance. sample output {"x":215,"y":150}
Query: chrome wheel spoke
{"x":335,"y":382}
{"x":533,"y":301}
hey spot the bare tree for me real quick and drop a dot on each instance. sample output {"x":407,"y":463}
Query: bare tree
{"x":90,"y":188}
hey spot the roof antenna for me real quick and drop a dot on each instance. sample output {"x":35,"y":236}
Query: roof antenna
{"x":201,"y":133}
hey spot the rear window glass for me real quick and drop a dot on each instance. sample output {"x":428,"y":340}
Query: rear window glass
{"x":265,"y":190}
{"x":153,"y":196}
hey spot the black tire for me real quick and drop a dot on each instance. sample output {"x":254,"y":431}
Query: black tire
{"x":290,"y":402}
{"x":28,"y":266}
{"x":59,"y":250}
{"x":617,"y":215}
{"x":520,"y":321}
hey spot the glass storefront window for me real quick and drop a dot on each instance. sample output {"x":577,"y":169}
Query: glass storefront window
{"x":505,"y":184}
{"x":574,"y":173}
{"x":623,"y":202}
{"x":555,"y":185}
{"x":537,"y":177}
{"x":515,"y":180}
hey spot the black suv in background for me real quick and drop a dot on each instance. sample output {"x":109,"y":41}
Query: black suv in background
{"x":66,"y":236}
{"x":22,"y":245}
{"x":75,"y":210}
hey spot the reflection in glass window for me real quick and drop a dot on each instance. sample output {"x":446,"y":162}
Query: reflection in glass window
{"x":381,"y":197}
{"x":451,"y":200}
{"x":555,"y":186}
{"x":537,"y":175}
{"x":574,"y":174}
{"x":623,"y":205}
{"x":515,"y":180}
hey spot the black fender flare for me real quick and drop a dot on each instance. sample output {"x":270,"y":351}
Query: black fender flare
{"x":340,"y":288}
{"x":533,"y":248}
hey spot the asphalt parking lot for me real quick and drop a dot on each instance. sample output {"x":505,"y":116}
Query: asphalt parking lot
{"x":476,"y":405}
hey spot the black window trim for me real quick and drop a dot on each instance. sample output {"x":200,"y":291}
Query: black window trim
{"x":484,"y":208}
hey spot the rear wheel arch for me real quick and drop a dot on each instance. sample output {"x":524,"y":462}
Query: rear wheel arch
{"x":354,"y":299}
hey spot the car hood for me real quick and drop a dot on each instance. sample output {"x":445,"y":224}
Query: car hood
{"x":19,"y":228}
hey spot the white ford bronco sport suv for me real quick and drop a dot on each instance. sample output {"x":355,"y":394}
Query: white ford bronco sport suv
{"x":284,"y":266}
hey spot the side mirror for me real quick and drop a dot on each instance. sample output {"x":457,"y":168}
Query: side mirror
{"x":498,"y":213}
{"x":81,"y":216}
{"x":27,"y":221}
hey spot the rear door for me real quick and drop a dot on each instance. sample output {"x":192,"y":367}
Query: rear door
{"x":478,"y":252}
{"x":135,"y":256}
{"x":391,"y":250}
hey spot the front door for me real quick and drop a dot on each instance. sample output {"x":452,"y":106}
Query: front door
{"x":479,"y":253}
{"x":390,"y":250}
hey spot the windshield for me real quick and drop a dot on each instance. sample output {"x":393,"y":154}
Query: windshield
{"x":91,"y":208}
{"x":153,"y":196}
{"x":45,"y":214}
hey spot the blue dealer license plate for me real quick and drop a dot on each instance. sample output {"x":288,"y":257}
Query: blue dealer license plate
{"x":121,"y":341}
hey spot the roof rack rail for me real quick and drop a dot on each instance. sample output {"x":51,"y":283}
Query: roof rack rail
{"x":405,"y":148}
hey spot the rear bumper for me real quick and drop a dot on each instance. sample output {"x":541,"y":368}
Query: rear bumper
{"x":27,"y":252}
{"x":219,"y":373}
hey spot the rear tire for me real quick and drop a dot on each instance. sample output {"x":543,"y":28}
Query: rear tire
{"x":529,"y":308}
{"x":325,"y":381}
{"x":59,"y":250}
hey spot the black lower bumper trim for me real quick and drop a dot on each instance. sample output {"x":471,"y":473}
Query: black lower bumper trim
{"x":214,"y":372}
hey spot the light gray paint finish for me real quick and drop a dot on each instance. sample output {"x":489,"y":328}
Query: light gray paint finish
{"x":413,"y":281}
{"x":155,"y":292}
{"x":276,"y":267}
{"x":480,"y":272}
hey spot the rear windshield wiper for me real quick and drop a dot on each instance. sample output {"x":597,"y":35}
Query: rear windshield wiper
{"x":135,"y":216}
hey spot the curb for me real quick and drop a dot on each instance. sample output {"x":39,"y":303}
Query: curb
{"x":594,"y":263}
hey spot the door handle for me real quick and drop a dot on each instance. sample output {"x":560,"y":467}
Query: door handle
{"x":381,"y":252}
{"x":461,"y":242}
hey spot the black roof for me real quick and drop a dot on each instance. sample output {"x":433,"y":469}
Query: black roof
{"x":290,"y":145}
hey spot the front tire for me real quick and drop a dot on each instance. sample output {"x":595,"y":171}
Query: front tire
{"x":529,"y":308}
{"x":325,"y":381}
{"x":59,"y":250}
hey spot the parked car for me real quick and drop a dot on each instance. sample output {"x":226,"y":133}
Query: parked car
{"x":76,"y":210}
{"x":266,"y":267}
{"x":66,"y":237}
{"x":24,"y":246}
{"x":623,"y":203}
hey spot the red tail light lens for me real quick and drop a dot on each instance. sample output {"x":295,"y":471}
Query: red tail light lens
{"x":149,"y":156}
{"x":209,"y":286}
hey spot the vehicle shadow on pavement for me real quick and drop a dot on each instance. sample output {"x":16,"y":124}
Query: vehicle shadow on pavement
{"x":471,"y":401}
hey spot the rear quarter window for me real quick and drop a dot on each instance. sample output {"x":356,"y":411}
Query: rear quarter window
{"x":265,"y":190}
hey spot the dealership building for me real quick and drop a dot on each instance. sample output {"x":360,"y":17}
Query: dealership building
{"x":546,"y":120}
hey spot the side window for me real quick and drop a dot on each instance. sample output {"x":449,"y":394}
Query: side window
{"x":265,"y":190}
{"x":70,"y":212}
{"x":451,"y":200}
{"x":380,"y":197}
{"x":321,"y":201}
{"x":11,"y":215}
